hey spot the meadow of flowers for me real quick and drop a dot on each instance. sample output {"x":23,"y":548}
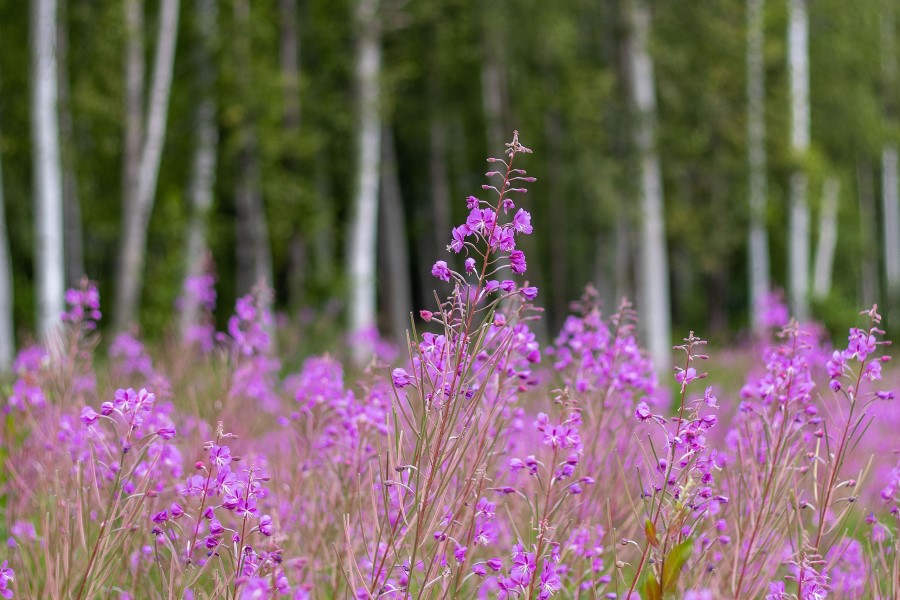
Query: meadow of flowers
{"x":474,"y":462}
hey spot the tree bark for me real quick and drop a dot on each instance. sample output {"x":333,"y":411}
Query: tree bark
{"x":798,"y":226}
{"x":559,"y":279}
{"x":254,"y":251}
{"x":289,"y":65}
{"x":7,"y":332}
{"x":203,"y":168}
{"x":828,"y":229}
{"x":50,"y":264}
{"x":364,"y":228}
{"x":654,"y":272}
{"x":393,"y":226}
{"x":134,"y":101}
{"x":494,"y":93}
{"x":137,"y":209}
{"x":73,"y":240}
{"x":440,"y":181}
{"x":891,"y":216}
{"x":758,"y":246}
{"x":890,"y":195}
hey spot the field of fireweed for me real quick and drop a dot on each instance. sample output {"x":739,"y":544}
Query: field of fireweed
{"x":473,"y":463}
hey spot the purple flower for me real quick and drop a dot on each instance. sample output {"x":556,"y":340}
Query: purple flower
{"x":166,"y":433}
{"x":459,"y":553}
{"x":88,"y":416}
{"x":441,"y":271}
{"x":256,"y":588}
{"x":220,"y":456}
{"x":400,"y":378}
{"x":530,"y":292}
{"x":517,"y":262}
{"x":459,"y":238}
{"x":265,"y":525}
{"x":7,"y":576}
{"x":643,"y":412}
{"x":470,"y":265}
{"x":522,"y":221}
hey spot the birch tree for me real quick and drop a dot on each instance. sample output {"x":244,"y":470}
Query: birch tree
{"x":654,"y":273}
{"x":203,"y":168}
{"x":138,"y":200}
{"x":50,"y":265}
{"x":890,"y":194}
{"x":799,"y":220}
{"x":364,"y":226}
{"x":758,"y":243}
{"x":828,"y":231}
{"x":7,"y":333}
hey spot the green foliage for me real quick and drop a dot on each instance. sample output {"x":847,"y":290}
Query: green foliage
{"x":563,"y":83}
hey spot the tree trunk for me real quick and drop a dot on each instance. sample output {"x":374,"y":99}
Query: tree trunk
{"x":440,"y":181}
{"x":50,"y":264}
{"x":758,"y":247}
{"x":289,"y":59}
{"x":136,"y":219}
{"x":254,"y":252}
{"x":134,"y":101}
{"x":865,"y":185}
{"x":799,"y":229}
{"x":203,"y":168}
{"x":654,"y":271}
{"x":289,"y":65}
{"x":72,"y":236}
{"x":891,"y":216}
{"x":890,"y":195}
{"x":828,"y":225}
{"x":559,"y":278}
{"x":7,"y":332}
{"x":364,"y":228}
{"x":393,"y":226}
{"x":493,"y":83}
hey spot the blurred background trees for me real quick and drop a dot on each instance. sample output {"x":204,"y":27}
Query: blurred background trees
{"x":690,"y":155}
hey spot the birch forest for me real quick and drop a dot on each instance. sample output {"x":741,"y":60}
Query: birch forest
{"x":696,"y":157}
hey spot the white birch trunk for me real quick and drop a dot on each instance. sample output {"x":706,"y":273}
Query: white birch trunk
{"x":7,"y":332}
{"x":50,"y":264}
{"x":799,"y":229}
{"x":364,"y":228}
{"x":203,"y":169}
{"x":133,"y":248}
{"x":135,"y":68}
{"x":890,"y":195}
{"x":891,"y":207}
{"x":654,"y":272}
{"x":758,"y":246}
{"x":828,"y":225}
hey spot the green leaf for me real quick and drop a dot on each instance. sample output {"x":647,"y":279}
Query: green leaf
{"x":651,"y":589}
{"x":650,"y":531}
{"x":674,"y":562}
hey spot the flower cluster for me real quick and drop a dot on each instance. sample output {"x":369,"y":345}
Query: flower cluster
{"x":84,"y":305}
{"x":199,"y":294}
{"x":488,"y":238}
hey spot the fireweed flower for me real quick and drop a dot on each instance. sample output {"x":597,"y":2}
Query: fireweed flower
{"x":84,"y":305}
{"x":7,"y":577}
